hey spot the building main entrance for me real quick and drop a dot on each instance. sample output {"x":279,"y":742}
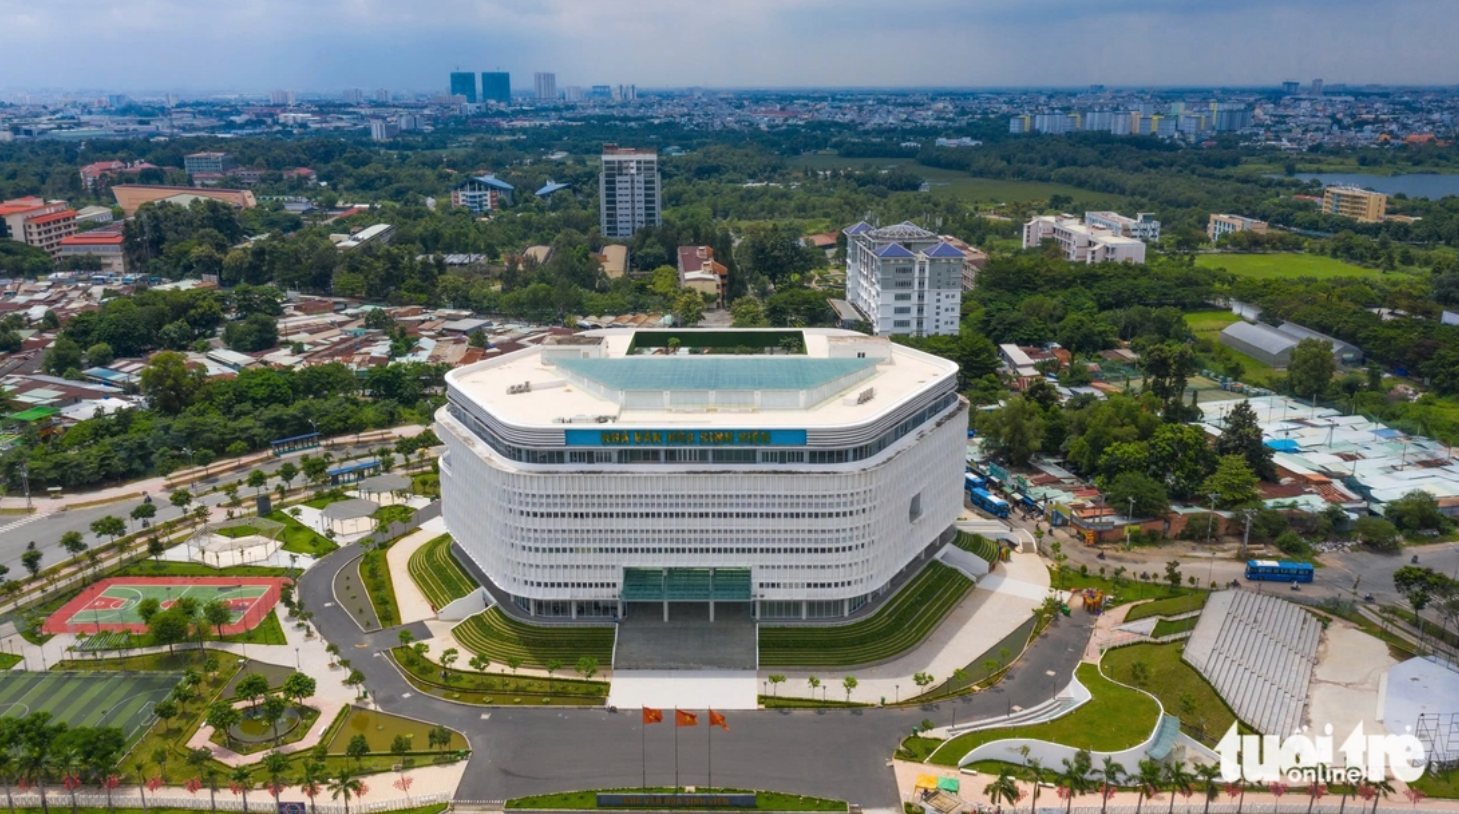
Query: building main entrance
{"x":686,"y":619}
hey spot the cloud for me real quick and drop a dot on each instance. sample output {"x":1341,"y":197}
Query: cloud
{"x":330,"y":44}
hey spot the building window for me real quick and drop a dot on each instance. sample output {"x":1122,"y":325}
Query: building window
{"x":901,"y":323}
{"x":903,"y":310}
{"x":902,"y":297}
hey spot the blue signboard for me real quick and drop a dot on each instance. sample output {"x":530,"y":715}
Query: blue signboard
{"x":684,"y":438}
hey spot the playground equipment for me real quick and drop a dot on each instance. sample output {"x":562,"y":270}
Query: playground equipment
{"x":1094,"y":600}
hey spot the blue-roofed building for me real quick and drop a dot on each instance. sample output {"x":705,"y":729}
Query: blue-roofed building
{"x":904,"y":279}
{"x":549,"y":188}
{"x":482,"y":194}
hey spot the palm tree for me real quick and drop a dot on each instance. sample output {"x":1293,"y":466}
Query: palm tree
{"x":1180,"y":780}
{"x":311,"y":781}
{"x":71,"y":765}
{"x":1001,"y":790}
{"x":1381,"y":790}
{"x":344,"y":784}
{"x":1035,"y":774}
{"x":1074,"y":783}
{"x":1315,"y":792}
{"x":8,"y":762}
{"x":1148,"y":781}
{"x":1207,"y":774}
{"x":141,"y":767}
{"x":210,"y":779}
{"x":1110,"y":775}
{"x":1237,"y":788}
{"x":35,"y":765}
{"x":242,"y":780}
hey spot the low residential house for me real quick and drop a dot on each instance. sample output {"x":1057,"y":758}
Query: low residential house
{"x":698,"y":270}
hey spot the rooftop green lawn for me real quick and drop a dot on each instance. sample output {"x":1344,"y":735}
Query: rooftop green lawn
{"x":500,"y":637}
{"x":1181,"y":690}
{"x":898,"y":626}
{"x":1114,"y":719}
{"x":1166,"y":627}
{"x":438,"y":575}
{"x":1283,"y":265}
{"x":1172,"y":606}
{"x":299,"y":538}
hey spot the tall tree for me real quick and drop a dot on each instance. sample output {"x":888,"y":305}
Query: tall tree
{"x":1241,"y":435}
{"x":1309,"y":371}
{"x":1016,"y":430}
{"x":1233,"y":483}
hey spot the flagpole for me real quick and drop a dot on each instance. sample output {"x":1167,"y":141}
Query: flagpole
{"x":643,"y":744}
{"x":676,"y":750}
{"x":709,"y":732}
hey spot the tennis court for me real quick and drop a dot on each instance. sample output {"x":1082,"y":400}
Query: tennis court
{"x":123,"y":700}
{"x":112,"y":604}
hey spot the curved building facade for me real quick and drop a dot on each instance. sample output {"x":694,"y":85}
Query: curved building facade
{"x":592,"y":473}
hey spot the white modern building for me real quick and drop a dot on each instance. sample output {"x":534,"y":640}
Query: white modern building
{"x":629,"y":189}
{"x":546,"y":86}
{"x":905,"y":279}
{"x":596,"y":472}
{"x":1143,"y":226}
{"x":1080,"y":243}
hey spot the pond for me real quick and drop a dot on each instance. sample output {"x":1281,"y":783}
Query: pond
{"x":254,"y":729}
{"x":1413,"y":185}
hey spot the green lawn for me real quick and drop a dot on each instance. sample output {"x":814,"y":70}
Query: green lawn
{"x":1166,"y":627}
{"x":1443,"y":785}
{"x":467,"y":686}
{"x":153,"y":568}
{"x":1283,"y":265}
{"x":380,"y":729}
{"x":269,"y":631}
{"x":299,"y":538}
{"x":898,"y":626}
{"x":918,"y":749}
{"x":764,"y":800}
{"x":1181,"y":690}
{"x":1209,"y":322}
{"x":499,"y":637}
{"x":438,"y":575}
{"x":1174,"y":606}
{"x":380,"y":585}
{"x":1115,"y":719}
{"x":1126,"y":589}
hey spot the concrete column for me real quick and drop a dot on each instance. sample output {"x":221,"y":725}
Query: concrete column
{"x":666,"y":610}
{"x":711,"y":610}
{"x":845,"y":607}
{"x":574,"y":608}
{"x":803,"y":609}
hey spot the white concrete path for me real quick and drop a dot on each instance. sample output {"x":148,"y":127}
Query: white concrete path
{"x":685,"y":689}
{"x":1001,"y":602}
{"x":414,"y":607}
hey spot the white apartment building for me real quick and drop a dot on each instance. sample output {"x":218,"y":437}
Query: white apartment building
{"x":546,"y":86}
{"x":1081,"y":243}
{"x":1143,"y":226}
{"x":586,"y":478}
{"x":1221,"y":225}
{"x":904,"y":279}
{"x":629,"y":191}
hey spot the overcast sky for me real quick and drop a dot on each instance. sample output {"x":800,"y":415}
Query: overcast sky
{"x":131,"y":45}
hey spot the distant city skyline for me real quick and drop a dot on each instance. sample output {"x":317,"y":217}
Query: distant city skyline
{"x":257,"y":45}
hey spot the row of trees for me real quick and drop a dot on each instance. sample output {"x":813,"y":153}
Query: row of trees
{"x":1079,"y":776}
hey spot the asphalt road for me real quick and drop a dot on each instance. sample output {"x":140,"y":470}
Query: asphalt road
{"x":840,"y":754}
{"x":17,"y":531}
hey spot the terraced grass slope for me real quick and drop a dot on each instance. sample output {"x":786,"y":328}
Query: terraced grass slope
{"x":977,"y":545}
{"x":499,"y":637}
{"x":897,"y":627}
{"x":438,"y":575}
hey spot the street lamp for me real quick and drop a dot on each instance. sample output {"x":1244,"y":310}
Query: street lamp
{"x":1211,"y":518}
{"x":1128,"y":518}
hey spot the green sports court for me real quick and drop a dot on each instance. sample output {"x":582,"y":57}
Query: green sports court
{"x":113,"y":604}
{"x":123,"y":700}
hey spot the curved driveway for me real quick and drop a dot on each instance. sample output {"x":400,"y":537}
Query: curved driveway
{"x":842,"y":754}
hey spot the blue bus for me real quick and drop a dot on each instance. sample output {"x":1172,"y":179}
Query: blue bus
{"x":985,"y":500}
{"x":971,"y":482}
{"x":1278,"y":571}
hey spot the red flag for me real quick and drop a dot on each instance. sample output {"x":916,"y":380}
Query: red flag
{"x":653,"y":716}
{"x":715,"y":719}
{"x":682,"y":718}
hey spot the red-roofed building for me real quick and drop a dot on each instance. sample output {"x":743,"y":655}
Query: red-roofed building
{"x":36,"y":222}
{"x":97,"y":173}
{"x":105,"y":244}
{"x":700,"y":271}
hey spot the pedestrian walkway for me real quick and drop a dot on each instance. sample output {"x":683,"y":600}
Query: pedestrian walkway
{"x":671,"y":689}
{"x":414,"y":607}
{"x":1001,"y":602}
